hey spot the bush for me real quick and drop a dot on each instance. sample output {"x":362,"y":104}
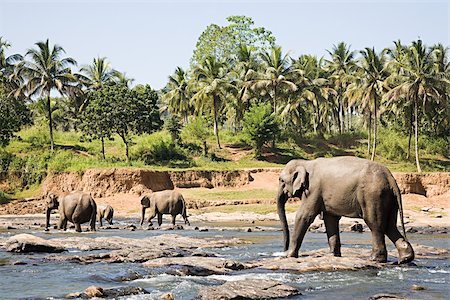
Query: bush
{"x":197,"y":132}
{"x":440,"y":146}
{"x":3,"y":198}
{"x":260,"y":125}
{"x":5,"y":160}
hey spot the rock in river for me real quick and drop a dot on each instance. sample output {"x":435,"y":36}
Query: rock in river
{"x":248,"y":289}
{"x":24,"y":243}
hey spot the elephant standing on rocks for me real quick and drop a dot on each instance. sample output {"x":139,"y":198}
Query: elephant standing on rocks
{"x":343,"y":186}
{"x":105,"y":211}
{"x":164,"y":202}
{"x":76,"y":207}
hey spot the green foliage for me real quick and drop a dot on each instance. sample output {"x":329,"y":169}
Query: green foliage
{"x":3,"y":197}
{"x":13,"y":114}
{"x":117,"y":109}
{"x":224,"y":42}
{"x":261,"y":125}
{"x":173,"y":125}
{"x":197,"y":131}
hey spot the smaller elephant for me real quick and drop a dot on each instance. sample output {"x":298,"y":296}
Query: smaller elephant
{"x":105,"y":211}
{"x":76,"y":207}
{"x":166,"y":202}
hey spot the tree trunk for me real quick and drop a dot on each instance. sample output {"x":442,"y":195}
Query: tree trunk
{"x":375,"y":120}
{"x":369,"y":133}
{"x":274,"y":112}
{"x":122,"y":135}
{"x":416,"y":134}
{"x":103,"y":148}
{"x":50,"y":121}
{"x":410,"y":130}
{"x":216,"y":126}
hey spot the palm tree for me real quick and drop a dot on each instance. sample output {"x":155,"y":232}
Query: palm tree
{"x":341,"y":66}
{"x":7,"y":63}
{"x":369,"y":89}
{"x":177,"y":95}
{"x":121,"y":78}
{"x":277,"y":75}
{"x":97,"y":74}
{"x":418,"y":83}
{"x":212,"y":84}
{"x":46,"y":71}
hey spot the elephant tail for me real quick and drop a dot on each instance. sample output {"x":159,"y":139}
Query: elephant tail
{"x":398,"y":196}
{"x":94,"y":212}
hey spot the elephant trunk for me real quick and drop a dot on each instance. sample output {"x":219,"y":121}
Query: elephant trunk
{"x":281,"y":201}
{"x":47,"y":218}
{"x":143,"y":215}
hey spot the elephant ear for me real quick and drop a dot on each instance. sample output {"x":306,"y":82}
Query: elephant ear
{"x":145,"y":201}
{"x":300,"y":180}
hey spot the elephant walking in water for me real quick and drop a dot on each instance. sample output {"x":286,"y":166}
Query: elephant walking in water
{"x":343,"y":186}
{"x":76,"y":207}
{"x":166,"y":202}
{"x":105,"y":211}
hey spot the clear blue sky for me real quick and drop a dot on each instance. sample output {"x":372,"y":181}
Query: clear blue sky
{"x":149,"y":39}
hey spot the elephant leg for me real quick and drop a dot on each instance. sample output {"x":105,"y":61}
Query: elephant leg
{"x":332,"y":229}
{"x":159,"y":219}
{"x":77,"y":227}
{"x":304,"y":217}
{"x":100,"y":221}
{"x":379,"y":253}
{"x":186,"y":221}
{"x":62,"y":223}
{"x":404,"y":248}
{"x":173,"y":220}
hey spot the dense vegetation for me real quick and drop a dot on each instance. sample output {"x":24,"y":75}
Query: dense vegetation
{"x":240,"y":90}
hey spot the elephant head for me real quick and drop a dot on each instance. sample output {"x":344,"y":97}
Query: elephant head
{"x":145,"y":203}
{"x":293,"y":182}
{"x":52,"y":203}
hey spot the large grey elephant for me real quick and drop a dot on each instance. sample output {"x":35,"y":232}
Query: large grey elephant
{"x":343,"y":186}
{"x":105,"y":211}
{"x":164,"y":202}
{"x":76,"y":207}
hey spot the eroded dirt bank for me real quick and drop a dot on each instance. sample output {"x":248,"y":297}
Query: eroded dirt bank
{"x":121,"y":188}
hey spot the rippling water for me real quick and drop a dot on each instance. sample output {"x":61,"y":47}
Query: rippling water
{"x":38,"y":279}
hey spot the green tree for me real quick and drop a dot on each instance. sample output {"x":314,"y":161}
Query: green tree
{"x":177,"y":94}
{"x":212,"y":85}
{"x":341,"y":66}
{"x":45,"y":71}
{"x":117,"y":109}
{"x":223,"y":43}
{"x":369,"y":89}
{"x":13,"y":114}
{"x":197,"y":131}
{"x":260,"y":125}
{"x":174,"y":126}
{"x":419,"y":83}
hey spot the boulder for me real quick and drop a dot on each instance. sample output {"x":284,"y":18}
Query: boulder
{"x":24,"y":243}
{"x":248,"y":289}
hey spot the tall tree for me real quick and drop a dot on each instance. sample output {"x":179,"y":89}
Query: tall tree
{"x":418,"y":84}
{"x":45,"y":71}
{"x":369,"y":89}
{"x":211,"y":83}
{"x":341,"y":65}
{"x":223,"y":42}
{"x":177,"y":94}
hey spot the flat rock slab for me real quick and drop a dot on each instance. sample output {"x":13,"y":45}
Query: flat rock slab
{"x":248,"y":289}
{"x":26,"y":243}
{"x":198,"y":266}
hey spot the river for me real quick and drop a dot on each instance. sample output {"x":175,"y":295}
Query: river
{"x":38,"y":278}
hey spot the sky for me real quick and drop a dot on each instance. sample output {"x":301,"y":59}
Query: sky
{"x":148,"y":39}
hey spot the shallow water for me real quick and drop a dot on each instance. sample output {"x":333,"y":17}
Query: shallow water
{"x":41,"y":279}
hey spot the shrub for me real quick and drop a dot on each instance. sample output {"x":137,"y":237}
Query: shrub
{"x":197,"y":132}
{"x":260,"y":125}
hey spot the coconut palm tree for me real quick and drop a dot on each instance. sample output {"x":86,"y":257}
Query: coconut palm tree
{"x":97,"y":74}
{"x":177,"y":95}
{"x":277,"y":75}
{"x":368,"y":90}
{"x":212,"y":84}
{"x":418,"y":84}
{"x":45,"y":71}
{"x":341,"y":66}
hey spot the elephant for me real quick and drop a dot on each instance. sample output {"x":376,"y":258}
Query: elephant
{"x":343,"y":186}
{"x":76,"y":207}
{"x":105,"y":211}
{"x":164,"y":202}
